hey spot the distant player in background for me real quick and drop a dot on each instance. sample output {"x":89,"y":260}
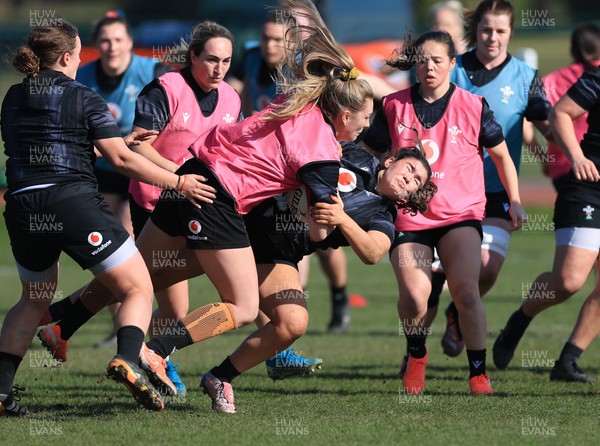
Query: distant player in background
{"x":254,"y":76}
{"x":449,"y":16}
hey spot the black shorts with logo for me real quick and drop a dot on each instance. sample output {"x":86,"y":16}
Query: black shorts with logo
{"x":71,"y":217}
{"x":577,"y":204}
{"x":214,"y":226}
{"x":497,"y":205}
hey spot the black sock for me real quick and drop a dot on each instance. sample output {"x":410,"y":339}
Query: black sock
{"x":570,"y":353}
{"x":437,"y":285}
{"x":225,"y":371}
{"x":129,"y":342}
{"x":339,"y":299}
{"x":59,"y":309}
{"x":165,"y":345}
{"x":416,"y":345}
{"x":476,"y":362}
{"x":74,"y":319}
{"x":8,"y":368}
{"x":516,"y":325}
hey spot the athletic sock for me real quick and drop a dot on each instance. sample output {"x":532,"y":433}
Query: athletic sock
{"x":178,"y":338}
{"x":476,"y":362}
{"x":59,"y":309}
{"x":437,"y":285}
{"x":129,"y":342}
{"x":416,"y":346}
{"x":75,"y":318}
{"x":516,"y":325}
{"x":8,"y":369}
{"x":339,"y":301}
{"x":225,"y":371}
{"x":570,"y":354}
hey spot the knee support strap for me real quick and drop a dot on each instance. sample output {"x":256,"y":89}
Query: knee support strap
{"x":209,"y":320}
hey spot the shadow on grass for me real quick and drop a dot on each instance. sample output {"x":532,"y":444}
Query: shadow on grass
{"x":109,"y":406}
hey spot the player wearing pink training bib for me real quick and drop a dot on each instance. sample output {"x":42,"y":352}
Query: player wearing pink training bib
{"x":274,"y":156}
{"x":443,"y":113}
{"x":453,"y":151}
{"x":189,"y":116}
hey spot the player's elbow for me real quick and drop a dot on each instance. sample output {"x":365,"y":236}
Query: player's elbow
{"x":371,"y":258}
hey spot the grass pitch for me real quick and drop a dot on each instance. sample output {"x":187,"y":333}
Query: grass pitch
{"x":355,"y":399}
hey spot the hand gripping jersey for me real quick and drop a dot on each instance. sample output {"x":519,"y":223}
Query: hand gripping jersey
{"x":356,"y":185}
{"x":186,"y":124}
{"x":256,"y":159}
{"x":508,"y":96}
{"x":452,"y":149}
{"x":277,"y":234}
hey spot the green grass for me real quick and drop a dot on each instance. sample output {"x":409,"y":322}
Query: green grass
{"x":354,"y":399}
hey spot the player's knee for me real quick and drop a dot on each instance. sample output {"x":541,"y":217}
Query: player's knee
{"x":296,"y":327}
{"x":566,"y":288}
{"x":141,"y":290}
{"x":292,"y":323}
{"x":465,"y":296}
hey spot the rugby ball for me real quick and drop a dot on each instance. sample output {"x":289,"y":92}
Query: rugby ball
{"x":298,"y":203}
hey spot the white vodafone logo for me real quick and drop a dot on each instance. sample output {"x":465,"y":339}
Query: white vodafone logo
{"x":95,"y":238}
{"x":194,"y":226}
{"x":432,"y":150}
{"x":346,"y":180}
